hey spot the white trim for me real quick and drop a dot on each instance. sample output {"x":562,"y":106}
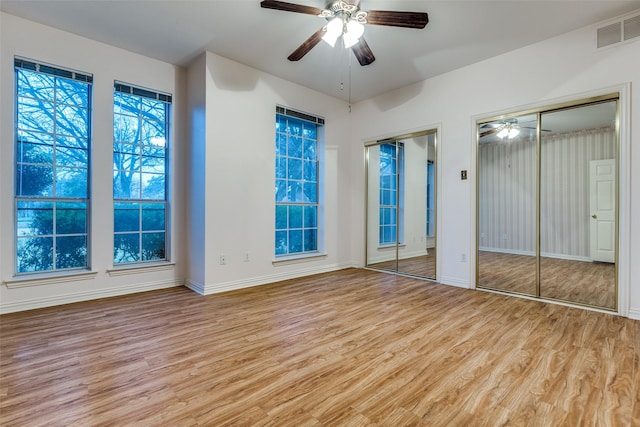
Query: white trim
{"x":451,"y":281}
{"x":88,"y":295}
{"x":533,"y":254}
{"x":140,"y":268}
{"x":49,"y":279}
{"x":195,"y":286}
{"x":293,"y":259}
{"x":215,"y":288}
{"x":634,"y":313}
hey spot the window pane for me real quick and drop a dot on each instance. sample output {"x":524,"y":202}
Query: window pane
{"x":281,"y":242}
{"x":310,"y":243}
{"x":71,"y":251}
{"x":34,"y":218}
{"x":153,"y":164}
{"x":34,"y":150}
{"x":153,"y":216}
{"x":35,"y":254}
{"x":281,"y":167}
{"x":295,"y":216}
{"x":72,"y":92}
{"x":152,"y":246}
{"x":35,"y":115}
{"x":126,"y":217}
{"x":281,"y":144}
{"x":35,"y":85}
{"x":152,"y":186}
{"x":310,"y":130}
{"x":126,"y":248}
{"x":295,"y":241}
{"x":281,"y":217}
{"x":125,"y":129}
{"x":71,"y":218}
{"x":310,"y":171}
{"x":152,"y":109}
{"x":71,"y":157}
{"x":34,"y":180}
{"x":73,"y":121}
{"x":310,"y":216}
{"x":310,"y":192}
{"x":294,"y":169}
{"x":126,"y":104}
{"x":281,"y":190}
{"x":294,"y":146}
{"x":126,"y":185}
{"x":71,"y":182}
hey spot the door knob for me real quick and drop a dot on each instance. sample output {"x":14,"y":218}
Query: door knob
{"x":594,"y":216}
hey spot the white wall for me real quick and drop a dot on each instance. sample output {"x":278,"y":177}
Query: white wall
{"x":44,"y":44}
{"x":563,"y":68}
{"x":238,"y":149}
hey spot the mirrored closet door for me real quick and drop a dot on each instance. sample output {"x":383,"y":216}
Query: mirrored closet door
{"x":547,"y":208}
{"x":401,"y":204}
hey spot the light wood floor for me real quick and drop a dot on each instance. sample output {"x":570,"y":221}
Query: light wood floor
{"x":421,"y":266}
{"x":590,"y":283}
{"x":350,"y":348}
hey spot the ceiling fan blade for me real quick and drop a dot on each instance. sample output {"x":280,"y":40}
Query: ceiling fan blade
{"x":290,"y":7}
{"x":363,"y":52}
{"x":398,"y":19}
{"x":308,"y":44}
{"x":489,"y":132}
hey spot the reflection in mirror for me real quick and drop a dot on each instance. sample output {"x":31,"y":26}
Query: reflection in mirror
{"x":578,"y":205}
{"x":401,"y":205}
{"x":507,"y":205}
{"x":547,"y":208}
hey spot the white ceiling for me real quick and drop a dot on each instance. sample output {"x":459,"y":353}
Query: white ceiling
{"x":459,"y":33}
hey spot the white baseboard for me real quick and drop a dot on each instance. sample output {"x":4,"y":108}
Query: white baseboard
{"x":214,"y":288}
{"x":543,"y":254}
{"x":454,"y":282}
{"x":86,"y":296}
{"x":634,"y":313}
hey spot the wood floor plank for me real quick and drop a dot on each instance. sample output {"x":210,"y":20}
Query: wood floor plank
{"x":353,"y":347}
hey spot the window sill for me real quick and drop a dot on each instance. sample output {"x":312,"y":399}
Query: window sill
{"x":140,"y":268}
{"x":49,"y":279}
{"x":294,"y":259}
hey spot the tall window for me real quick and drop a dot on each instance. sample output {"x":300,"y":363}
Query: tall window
{"x":391,"y":196}
{"x":297,"y":182}
{"x":140,"y":129}
{"x":52,"y":167}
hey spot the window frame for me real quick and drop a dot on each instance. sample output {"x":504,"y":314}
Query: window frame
{"x":397,"y":204}
{"x":144,"y":95}
{"x":60,"y":142}
{"x":316,"y":224}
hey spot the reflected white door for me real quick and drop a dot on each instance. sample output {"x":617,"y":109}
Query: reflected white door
{"x":602,"y":201}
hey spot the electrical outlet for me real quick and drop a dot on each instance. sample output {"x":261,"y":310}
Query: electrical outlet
{"x":246,"y":257}
{"x":223,"y":259}
{"x":463,"y":257}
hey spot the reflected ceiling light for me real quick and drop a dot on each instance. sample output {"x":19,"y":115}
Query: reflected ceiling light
{"x":508,"y":131}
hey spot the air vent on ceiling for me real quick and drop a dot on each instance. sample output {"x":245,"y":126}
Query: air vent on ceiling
{"x":617,"y":32}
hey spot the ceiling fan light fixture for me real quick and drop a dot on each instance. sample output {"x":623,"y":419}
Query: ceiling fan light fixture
{"x":354,"y":31}
{"x":333,"y":31}
{"x":503,"y":133}
{"x":513,"y":132}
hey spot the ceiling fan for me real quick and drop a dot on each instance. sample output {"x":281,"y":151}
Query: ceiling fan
{"x":508,"y":128}
{"x":346,"y":19}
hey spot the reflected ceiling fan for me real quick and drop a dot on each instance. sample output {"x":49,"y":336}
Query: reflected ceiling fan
{"x":346,"y":19}
{"x":508,"y":128}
